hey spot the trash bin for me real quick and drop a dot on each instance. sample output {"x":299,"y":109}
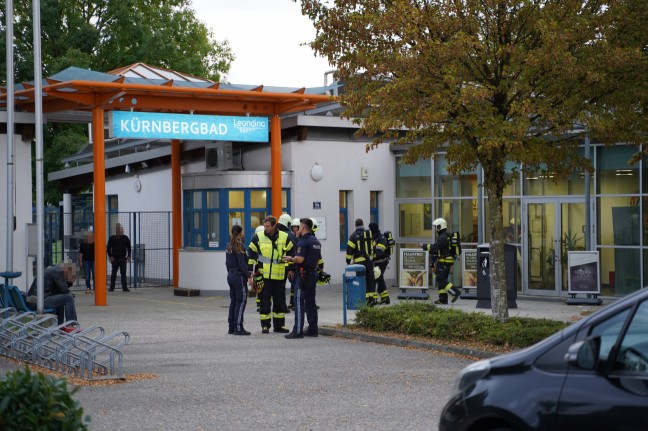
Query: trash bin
{"x":483,"y":275}
{"x":354,"y":288}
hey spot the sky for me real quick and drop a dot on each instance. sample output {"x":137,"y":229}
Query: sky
{"x":267,"y":38}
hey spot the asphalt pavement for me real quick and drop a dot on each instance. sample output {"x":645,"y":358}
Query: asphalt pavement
{"x":209,"y":380}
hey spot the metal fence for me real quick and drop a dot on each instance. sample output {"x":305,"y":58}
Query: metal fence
{"x":149,"y":232}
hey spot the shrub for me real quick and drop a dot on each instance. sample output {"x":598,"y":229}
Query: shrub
{"x":38,"y":402}
{"x":430,"y":321}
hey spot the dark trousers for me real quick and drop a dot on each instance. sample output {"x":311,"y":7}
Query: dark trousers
{"x":381,"y":286}
{"x":305,"y":303}
{"x":64,"y":304}
{"x":273,"y":299}
{"x":118,"y":263}
{"x":442,"y":273}
{"x":369,"y":276}
{"x":89,"y":271}
{"x":238,"y":300}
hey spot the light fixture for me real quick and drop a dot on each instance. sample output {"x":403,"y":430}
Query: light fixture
{"x":67,"y":165}
{"x":148,"y":146}
{"x":317,"y":172}
{"x":127,"y":169}
{"x":144,"y":165}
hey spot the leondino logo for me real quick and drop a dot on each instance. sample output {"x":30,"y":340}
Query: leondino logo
{"x":250,"y":125}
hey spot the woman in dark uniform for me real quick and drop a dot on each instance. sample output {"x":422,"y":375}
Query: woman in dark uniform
{"x":237,"y":278}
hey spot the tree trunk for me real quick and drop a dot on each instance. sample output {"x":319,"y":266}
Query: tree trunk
{"x":499,"y":299}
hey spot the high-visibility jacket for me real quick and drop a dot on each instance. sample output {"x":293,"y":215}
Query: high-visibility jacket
{"x":360,"y":247}
{"x":268,"y":253}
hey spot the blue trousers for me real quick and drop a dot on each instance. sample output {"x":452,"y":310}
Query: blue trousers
{"x":305,"y":303}
{"x":64,"y":304}
{"x":89,"y":271}
{"x":238,"y":300}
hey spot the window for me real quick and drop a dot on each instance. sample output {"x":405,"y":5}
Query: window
{"x":210,"y":214}
{"x":344,"y":218}
{"x":374,"y":214}
{"x":633,"y":354}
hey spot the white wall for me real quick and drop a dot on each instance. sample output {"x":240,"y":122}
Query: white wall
{"x":22,"y":206}
{"x":341,"y":161}
{"x":155,"y":194}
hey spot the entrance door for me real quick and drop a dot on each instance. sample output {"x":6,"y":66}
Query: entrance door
{"x":554,"y":227}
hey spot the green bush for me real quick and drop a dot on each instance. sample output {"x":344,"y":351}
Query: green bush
{"x":423,"y":319}
{"x":38,"y":402}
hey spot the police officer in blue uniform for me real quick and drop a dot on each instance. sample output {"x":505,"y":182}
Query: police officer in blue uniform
{"x":309,"y":253}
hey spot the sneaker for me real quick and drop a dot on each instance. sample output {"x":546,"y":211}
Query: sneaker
{"x":70,"y":329}
{"x":242,"y":332}
{"x":265,"y":330}
{"x":127,"y":290}
{"x":438,"y":301}
{"x":281,"y":330}
{"x":111,"y":290}
{"x":293,"y":336}
{"x":311,"y":334}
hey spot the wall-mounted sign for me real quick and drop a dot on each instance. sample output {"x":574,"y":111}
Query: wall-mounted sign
{"x":127,"y":124}
{"x":583,"y":272}
{"x":321,"y":227}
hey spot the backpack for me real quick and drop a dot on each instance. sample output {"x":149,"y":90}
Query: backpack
{"x":389,"y":239}
{"x":455,"y":244}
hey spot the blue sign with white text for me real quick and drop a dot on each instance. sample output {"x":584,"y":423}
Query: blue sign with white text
{"x":126,"y":124}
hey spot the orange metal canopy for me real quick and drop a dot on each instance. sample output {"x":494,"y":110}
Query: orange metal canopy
{"x":82,"y":90}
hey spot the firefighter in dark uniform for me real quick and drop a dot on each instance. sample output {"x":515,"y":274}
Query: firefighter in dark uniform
{"x":360,"y":250}
{"x":442,"y":261}
{"x":295,"y":227}
{"x":284,"y":226}
{"x":267,"y":251}
{"x":306,"y":261}
{"x":381,"y":261}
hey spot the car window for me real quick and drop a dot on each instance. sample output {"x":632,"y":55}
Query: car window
{"x":633,"y":354}
{"x":609,"y":331}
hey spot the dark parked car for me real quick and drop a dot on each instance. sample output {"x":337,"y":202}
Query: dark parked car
{"x":591,"y":376}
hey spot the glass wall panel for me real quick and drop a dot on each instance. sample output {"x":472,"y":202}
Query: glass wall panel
{"x":512,"y":187}
{"x":258,"y":199}
{"x":213,"y":230}
{"x":548,"y":185}
{"x":236,"y":217}
{"x":618,"y":221}
{"x":511,"y":211}
{"x":614,"y":174}
{"x":620,"y":271}
{"x":212,"y":199}
{"x":461,"y":215}
{"x":448,"y":185}
{"x":414,"y":181}
{"x":236,"y":199}
{"x":415,"y":220}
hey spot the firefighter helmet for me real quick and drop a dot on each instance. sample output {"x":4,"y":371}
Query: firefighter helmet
{"x":314,"y":224}
{"x":295,"y":223}
{"x":440,"y":224}
{"x":285,"y":220}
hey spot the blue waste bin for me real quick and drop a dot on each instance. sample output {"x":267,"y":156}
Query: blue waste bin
{"x":354,"y":288}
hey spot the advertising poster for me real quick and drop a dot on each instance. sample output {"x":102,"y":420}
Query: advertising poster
{"x":414,"y":268}
{"x":469,"y":268}
{"x":583,"y":272}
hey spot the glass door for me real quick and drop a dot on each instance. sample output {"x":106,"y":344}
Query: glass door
{"x":554,"y":226}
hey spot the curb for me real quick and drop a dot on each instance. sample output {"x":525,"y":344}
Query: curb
{"x":381,"y":339}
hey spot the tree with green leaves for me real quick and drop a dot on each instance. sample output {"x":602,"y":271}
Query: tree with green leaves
{"x":490,"y":82}
{"x":104,"y":35}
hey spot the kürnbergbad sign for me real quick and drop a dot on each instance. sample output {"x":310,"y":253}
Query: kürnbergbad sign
{"x":126,"y":124}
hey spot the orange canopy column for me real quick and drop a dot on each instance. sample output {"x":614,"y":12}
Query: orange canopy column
{"x":99,"y":204}
{"x":176,"y":207}
{"x":275,"y":165}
